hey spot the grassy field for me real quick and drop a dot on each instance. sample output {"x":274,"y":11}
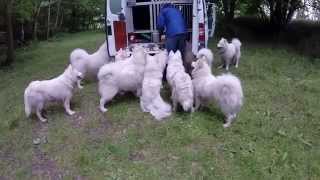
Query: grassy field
{"x":276,"y":136}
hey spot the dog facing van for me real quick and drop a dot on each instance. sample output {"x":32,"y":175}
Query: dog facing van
{"x":134,"y":21}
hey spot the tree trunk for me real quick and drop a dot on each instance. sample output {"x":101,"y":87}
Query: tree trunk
{"x":10,"y":40}
{"x":49,"y":14}
{"x":57,"y":16}
{"x":35,"y":27}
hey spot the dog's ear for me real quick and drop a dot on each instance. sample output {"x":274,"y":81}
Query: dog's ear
{"x":178,"y":54}
{"x":171,"y":54}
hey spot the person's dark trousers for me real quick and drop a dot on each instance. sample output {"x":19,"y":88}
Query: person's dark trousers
{"x":177,"y":42}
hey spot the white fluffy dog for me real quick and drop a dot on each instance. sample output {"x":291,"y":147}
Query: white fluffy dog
{"x":206,"y":54}
{"x":230,"y":52}
{"x":38,"y":93}
{"x":122,"y":54}
{"x":122,"y":76}
{"x":151,"y":100}
{"x":180,"y":83}
{"x":89,"y":64}
{"x":225,"y":90}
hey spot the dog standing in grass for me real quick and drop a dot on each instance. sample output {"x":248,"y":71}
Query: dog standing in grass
{"x":225,"y":90}
{"x":39,"y":93}
{"x":151,"y":100}
{"x":230,"y":52}
{"x":122,"y":76}
{"x":180,"y":82}
{"x":89,"y":64}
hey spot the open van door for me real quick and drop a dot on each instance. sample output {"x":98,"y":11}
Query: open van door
{"x":116,"y":25}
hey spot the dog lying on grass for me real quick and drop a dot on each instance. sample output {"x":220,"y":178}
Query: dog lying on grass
{"x":151,"y":100}
{"x":230,"y":52}
{"x":39,"y":93}
{"x":225,"y":90}
{"x":180,"y":83}
{"x":89,"y":64}
{"x":122,"y":76}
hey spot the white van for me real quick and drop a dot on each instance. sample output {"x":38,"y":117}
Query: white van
{"x":134,"y":21}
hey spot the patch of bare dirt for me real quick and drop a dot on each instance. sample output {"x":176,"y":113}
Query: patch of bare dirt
{"x":43,"y":167}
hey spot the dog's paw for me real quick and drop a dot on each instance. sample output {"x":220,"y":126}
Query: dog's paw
{"x":103,"y":109}
{"x":226,"y":125}
{"x":71,"y":112}
{"x":44,"y":120}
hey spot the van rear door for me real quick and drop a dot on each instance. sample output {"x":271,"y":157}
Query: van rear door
{"x":115,"y":25}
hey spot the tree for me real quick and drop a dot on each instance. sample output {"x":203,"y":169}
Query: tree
{"x":282,"y":11}
{"x":10,"y":42}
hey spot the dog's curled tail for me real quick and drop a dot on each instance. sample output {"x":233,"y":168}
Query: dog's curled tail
{"x":207,"y":54}
{"x":78,"y":54}
{"x":104,"y":72}
{"x":229,"y":93}
{"x":236,"y":42}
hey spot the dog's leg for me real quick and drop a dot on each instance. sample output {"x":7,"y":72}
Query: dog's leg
{"x":39,"y":115}
{"x":227,"y":67}
{"x":237,"y":62}
{"x":197,"y":103}
{"x":106,"y":97}
{"x":66,"y":105}
{"x":79,"y":84}
{"x":229,"y":120}
{"x":139,"y":92}
{"x":174,"y":100}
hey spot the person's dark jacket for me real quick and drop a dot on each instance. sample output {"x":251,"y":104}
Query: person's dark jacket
{"x":171,"y":19}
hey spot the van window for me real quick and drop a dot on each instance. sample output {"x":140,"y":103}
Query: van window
{"x":115,"y":6}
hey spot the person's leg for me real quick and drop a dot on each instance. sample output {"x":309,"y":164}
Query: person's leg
{"x":171,"y":44}
{"x":182,"y":44}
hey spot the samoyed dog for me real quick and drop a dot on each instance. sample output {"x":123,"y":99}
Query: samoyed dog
{"x":180,"y":82}
{"x":230,"y":52}
{"x":89,"y":64}
{"x":122,"y":54}
{"x":206,"y":54}
{"x":225,"y":90}
{"x":122,"y":76}
{"x":39,"y":93}
{"x":151,"y":100}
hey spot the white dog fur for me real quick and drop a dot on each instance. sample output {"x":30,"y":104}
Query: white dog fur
{"x":151,"y":100}
{"x":38,"y":93}
{"x":122,"y":55}
{"x":230,"y":52}
{"x":122,"y":76}
{"x":180,"y":83}
{"x":225,"y":90}
{"x":206,"y":54}
{"x":89,"y":64}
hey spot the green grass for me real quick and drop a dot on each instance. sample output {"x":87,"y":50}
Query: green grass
{"x":276,"y":135}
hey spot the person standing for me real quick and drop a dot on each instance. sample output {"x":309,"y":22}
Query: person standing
{"x":171,"y":21}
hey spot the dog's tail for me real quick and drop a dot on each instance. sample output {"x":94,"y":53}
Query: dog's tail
{"x":160,"y":109}
{"x":236,"y":42}
{"x":78,"y":55}
{"x":228,"y":93}
{"x":206,"y":54}
{"x":105,"y":71}
{"x":27,"y":104}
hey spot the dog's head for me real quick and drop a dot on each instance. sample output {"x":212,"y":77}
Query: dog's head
{"x":223,"y":43}
{"x":175,"y":56}
{"x":163,"y":58}
{"x":122,"y":54}
{"x":200,"y":67}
